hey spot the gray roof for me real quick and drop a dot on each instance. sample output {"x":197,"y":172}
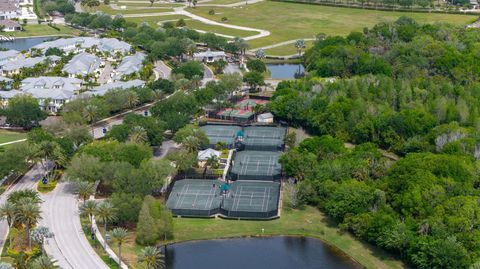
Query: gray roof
{"x":104,"y":44}
{"x":131,"y":64}
{"x":7,"y":5}
{"x":6,"y":79}
{"x":119,"y":85}
{"x":113,"y":44}
{"x":267,"y":115}
{"x":82,"y":64}
{"x":26,"y":62}
{"x":47,"y":83}
{"x":209,"y":53}
{"x":9,"y":94}
{"x":10,"y":23}
{"x":8,"y":55}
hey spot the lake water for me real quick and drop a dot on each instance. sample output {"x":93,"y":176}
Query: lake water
{"x":24,"y":43}
{"x":286,"y":71}
{"x":257,"y":253}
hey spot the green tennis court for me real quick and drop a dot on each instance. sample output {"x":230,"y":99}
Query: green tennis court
{"x":256,"y":165}
{"x":264,"y":138}
{"x":225,"y":134}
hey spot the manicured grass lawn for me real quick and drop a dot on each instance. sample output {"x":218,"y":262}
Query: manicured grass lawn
{"x":134,"y":10}
{"x":153,"y":21}
{"x":288,"y":21}
{"x":44,"y":30}
{"x":8,"y":136}
{"x":221,"y":2}
{"x":146,"y":4}
{"x":287,"y":49}
{"x":197,"y":25}
{"x":309,"y":222}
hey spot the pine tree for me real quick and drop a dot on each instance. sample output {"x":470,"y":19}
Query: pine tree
{"x":146,"y":227}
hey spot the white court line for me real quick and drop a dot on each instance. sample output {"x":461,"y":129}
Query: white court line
{"x":183,"y":197}
{"x":178,"y":200}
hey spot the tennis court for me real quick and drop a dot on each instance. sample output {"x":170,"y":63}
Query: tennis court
{"x":264,"y":138}
{"x":225,"y":134}
{"x":256,"y":165}
{"x":244,"y":199}
{"x":252,"y":200}
{"x":194,"y":197}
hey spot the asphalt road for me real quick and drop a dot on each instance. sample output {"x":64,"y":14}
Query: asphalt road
{"x":69,"y":246}
{"x":28,"y":181}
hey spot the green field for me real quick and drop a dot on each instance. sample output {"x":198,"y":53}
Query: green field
{"x":288,"y":21}
{"x":134,"y":10}
{"x":287,"y":50}
{"x":221,"y":2}
{"x":153,"y":21}
{"x":309,"y":222}
{"x":197,"y":25}
{"x":8,"y":136}
{"x":44,"y":30}
{"x":146,"y":4}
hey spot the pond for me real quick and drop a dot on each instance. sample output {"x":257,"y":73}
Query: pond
{"x":24,"y":43}
{"x":286,"y":71}
{"x":258,"y":253}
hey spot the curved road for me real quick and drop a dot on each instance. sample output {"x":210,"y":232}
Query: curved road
{"x":69,"y":246}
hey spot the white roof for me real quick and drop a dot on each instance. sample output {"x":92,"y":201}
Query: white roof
{"x":82,"y":64}
{"x":118,"y":85}
{"x":104,"y":44}
{"x":47,"y":83}
{"x":265,"y":116}
{"x":131,"y":64}
{"x":8,"y":54}
{"x":9,"y":94}
{"x":209,"y":53}
{"x":204,"y":155}
{"x":27,"y":62}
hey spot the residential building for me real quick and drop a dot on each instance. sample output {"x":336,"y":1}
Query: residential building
{"x":129,"y":65}
{"x":79,"y":44}
{"x":9,"y":9}
{"x":7,"y":95}
{"x":15,"y":67}
{"x":10,"y":26}
{"x":209,"y":56}
{"x":82,"y":64}
{"x":113,"y":45}
{"x":6,"y":83}
{"x":118,"y":85}
{"x":9,"y":56}
{"x":51,"y":92}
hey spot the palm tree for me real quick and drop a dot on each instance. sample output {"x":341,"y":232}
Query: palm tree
{"x":152,"y":258}
{"x":50,"y":151}
{"x":91,"y":113}
{"x":105,"y":212}
{"x":191,"y":143}
{"x":28,"y":215}
{"x":212,"y":162}
{"x":39,"y":234}
{"x":84,"y":189}
{"x":88,"y":209}
{"x":300,"y":44}
{"x":132,"y":99}
{"x":120,"y":235}
{"x":44,"y":262}
{"x":196,"y":81}
{"x":138,"y":135}
{"x":260,"y":54}
{"x":8,"y":211}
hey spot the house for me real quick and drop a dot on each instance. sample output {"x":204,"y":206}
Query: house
{"x":118,"y":85}
{"x":79,"y":44}
{"x":6,"y":83}
{"x":9,"y":9}
{"x":10,"y":26}
{"x":7,"y":95}
{"x":209,"y":56}
{"x":265,"y":118}
{"x":82,"y":64}
{"x":9,"y":56}
{"x":129,"y":65}
{"x":15,"y":67}
{"x":51,"y":92}
{"x":113,"y":45}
